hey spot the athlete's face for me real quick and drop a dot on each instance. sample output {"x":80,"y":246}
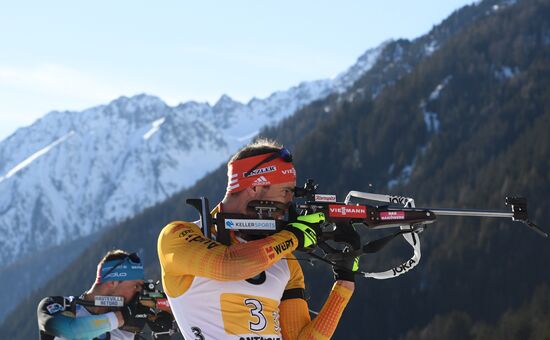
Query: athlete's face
{"x":282,"y":193}
{"x":127,"y":289}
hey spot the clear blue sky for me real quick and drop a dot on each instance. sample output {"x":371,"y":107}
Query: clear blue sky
{"x":71,"y":55}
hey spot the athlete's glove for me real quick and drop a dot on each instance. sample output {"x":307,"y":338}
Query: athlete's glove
{"x":346,"y":264}
{"x":135,"y":315}
{"x":306,"y":228}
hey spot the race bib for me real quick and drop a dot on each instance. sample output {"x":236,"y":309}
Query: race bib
{"x":247,"y":314}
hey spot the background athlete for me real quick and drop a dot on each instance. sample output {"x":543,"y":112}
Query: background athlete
{"x":254,"y":288}
{"x":118,"y":274}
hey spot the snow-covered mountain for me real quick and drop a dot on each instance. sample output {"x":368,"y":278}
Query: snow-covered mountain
{"x":71,"y":174}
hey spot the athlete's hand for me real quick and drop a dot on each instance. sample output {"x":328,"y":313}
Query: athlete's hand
{"x":135,"y":316}
{"x":306,"y":228}
{"x":346,"y":264}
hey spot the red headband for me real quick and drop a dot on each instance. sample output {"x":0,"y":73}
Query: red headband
{"x":273,"y":172}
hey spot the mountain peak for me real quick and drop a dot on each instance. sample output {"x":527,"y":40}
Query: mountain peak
{"x":226,"y":103}
{"x":364,"y":63}
{"x":138,"y":102}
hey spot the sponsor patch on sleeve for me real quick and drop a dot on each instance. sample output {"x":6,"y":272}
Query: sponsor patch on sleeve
{"x":54,"y":308}
{"x":270,"y":252}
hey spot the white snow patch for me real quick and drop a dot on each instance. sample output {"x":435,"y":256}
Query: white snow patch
{"x":503,"y":4}
{"x":403,"y":177}
{"x":430,"y":47}
{"x":155,"y":127}
{"x":407,"y":170}
{"x":435,"y":93}
{"x":506,"y":72}
{"x":398,"y":53}
{"x":432,"y":121}
{"x":34,"y":156}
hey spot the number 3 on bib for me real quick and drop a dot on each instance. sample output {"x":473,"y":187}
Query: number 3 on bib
{"x":248,"y":314}
{"x":256,"y":310}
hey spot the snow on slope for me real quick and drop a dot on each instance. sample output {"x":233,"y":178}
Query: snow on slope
{"x":71,"y":174}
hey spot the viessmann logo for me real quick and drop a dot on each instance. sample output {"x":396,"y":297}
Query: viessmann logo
{"x":349,"y":211}
{"x":163,"y":303}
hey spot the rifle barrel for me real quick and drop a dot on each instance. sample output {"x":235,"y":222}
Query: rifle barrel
{"x":470,"y":212}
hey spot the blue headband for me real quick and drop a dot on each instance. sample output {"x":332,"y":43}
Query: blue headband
{"x":123,"y":271}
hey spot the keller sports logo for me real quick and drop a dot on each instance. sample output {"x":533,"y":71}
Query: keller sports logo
{"x":241,"y":224}
{"x":392,"y":215}
{"x":347,"y":211}
{"x":261,"y":181}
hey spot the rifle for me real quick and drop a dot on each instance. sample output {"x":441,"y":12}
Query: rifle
{"x":159,"y":317}
{"x":160,"y":321}
{"x":343,"y":217}
{"x":152,"y":296}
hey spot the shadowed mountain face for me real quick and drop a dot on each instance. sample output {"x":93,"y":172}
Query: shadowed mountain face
{"x":462,"y":126}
